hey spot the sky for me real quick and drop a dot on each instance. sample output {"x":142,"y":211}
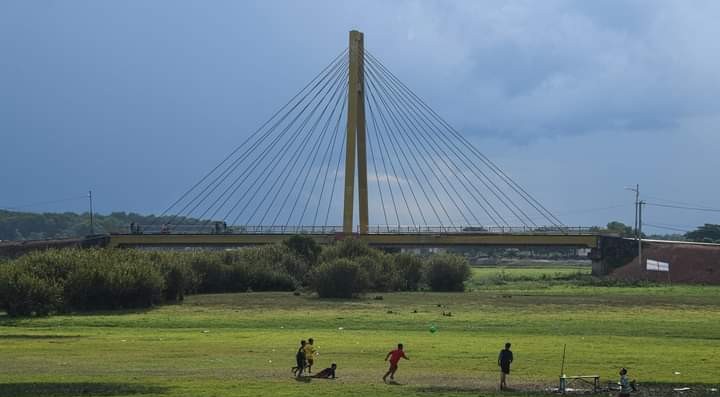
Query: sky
{"x":576,"y":100}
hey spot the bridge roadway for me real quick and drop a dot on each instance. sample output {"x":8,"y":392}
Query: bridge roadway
{"x":399,"y":240}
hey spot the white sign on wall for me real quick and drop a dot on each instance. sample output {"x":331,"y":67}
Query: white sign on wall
{"x":657,"y":266}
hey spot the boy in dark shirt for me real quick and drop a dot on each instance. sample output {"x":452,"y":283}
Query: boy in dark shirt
{"x":327,"y":373}
{"x":504,"y":360}
{"x":299,"y":360}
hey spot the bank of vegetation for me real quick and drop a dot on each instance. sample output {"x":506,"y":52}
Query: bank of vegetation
{"x":53,"y":281}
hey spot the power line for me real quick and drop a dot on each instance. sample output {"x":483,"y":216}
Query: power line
{"x":665,"y":227}
{"x":682,"y":207}
{"x":677,"y":202}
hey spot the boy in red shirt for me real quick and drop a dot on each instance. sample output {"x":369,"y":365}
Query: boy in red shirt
{"x":395,"y":357}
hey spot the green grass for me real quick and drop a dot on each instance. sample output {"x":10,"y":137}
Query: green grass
{"x":244,"y":344}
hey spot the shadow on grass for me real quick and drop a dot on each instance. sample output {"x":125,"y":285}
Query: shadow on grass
{"x":39,"y":337}
{"x":71,"y":389}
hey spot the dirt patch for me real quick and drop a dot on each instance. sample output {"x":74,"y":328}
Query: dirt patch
{"x":691,"y":264}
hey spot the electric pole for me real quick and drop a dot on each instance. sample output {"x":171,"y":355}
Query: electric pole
{"x":92,"y":217}
{"x":639,"y":235}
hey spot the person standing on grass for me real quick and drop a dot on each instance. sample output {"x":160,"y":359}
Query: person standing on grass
{"x":297,"y":370}
{"x":504,"y":360}
{"x":395,"y":357}
{"x":310,"y":354}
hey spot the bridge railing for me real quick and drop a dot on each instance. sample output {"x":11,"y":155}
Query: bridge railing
{"x":222,"y":228}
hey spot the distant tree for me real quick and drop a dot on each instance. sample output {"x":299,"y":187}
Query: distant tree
{"x":620,"y":228}
{"x":706,"y":233}
{"x":29,"y":225}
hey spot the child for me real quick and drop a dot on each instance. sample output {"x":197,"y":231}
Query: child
{"x":310,"y":354}
{"x":299,"y":360}
{"x":505,"y":358}
{"x":395,"y":357}
{"x":327,"y":373}
{"x":625,"y":386}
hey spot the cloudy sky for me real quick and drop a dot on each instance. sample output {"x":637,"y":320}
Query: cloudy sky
{"x":575,"y":99}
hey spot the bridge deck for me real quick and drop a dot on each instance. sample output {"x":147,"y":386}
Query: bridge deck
{"x":378,"y":240}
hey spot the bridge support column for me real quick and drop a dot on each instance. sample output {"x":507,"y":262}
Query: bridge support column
{"x":356,"y":138}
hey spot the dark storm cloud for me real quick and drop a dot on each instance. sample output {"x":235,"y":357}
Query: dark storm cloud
{"x":137,"y":99}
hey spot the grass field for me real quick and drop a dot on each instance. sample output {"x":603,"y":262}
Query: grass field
{"x":244,"y":344}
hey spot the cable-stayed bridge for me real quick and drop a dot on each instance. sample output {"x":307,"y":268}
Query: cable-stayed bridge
{"x":356,"y":144}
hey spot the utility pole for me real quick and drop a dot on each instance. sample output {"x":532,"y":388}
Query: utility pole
{"x":92,"y":217}
{"x":356,"y":138}
{"x":637,"y":204}
{"x":639,"y":235}
{"x":638,"y":219}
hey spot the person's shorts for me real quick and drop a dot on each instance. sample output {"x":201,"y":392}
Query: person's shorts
{"x":505,"y":368}
{"x":300,"y":363}
{"x":393,"y":366}
{"x":310,"y":361}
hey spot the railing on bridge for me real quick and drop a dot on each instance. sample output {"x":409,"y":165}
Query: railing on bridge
{"x":222,"y":228}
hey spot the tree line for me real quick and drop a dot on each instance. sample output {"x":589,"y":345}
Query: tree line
{"x":48,"y":225}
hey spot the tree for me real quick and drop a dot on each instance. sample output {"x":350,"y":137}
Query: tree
{"x":620,"y":228}
{"x":707,"y":233}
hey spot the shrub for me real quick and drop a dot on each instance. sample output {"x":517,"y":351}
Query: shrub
{"x":24,"y":294}
{"x":348,"y":249}
{"x":304,"y":247}
{"x":114,"y":285}
{"x":270,"y":280}
{"x":212,"y":273}
{"x":410,"y":271}
{"x":447,"y":272}
{"x":382,"y":272}
{"x":341,"y":278}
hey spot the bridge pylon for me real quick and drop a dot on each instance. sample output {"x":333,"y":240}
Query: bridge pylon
{"x":356,"y":138}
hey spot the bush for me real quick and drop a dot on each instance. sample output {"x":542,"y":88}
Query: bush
{"x":114,"y":285}
{"x":341,"y":278}
{"x":410,"y":271}
{"x":383,"y":275}
{"x":348,"y":249}
{"x":304,"y":247}
{"x":447,"y":272}
{"x":24,"y":294}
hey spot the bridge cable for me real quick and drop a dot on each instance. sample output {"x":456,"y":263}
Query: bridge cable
{"x":327,"y":155}
{"x":220,"y":179}
{"x":299,"y":152}
{"x":381,"y":144}
{"x":493,"y":167}
{"x":382,"y":118}
{"x":338,"y":132}
{"x":340,"y":100}
{"x":407,"y":114}
{"x":247,"y":172}
{"x":371,"y":93}
{"x":337,"y":171}
{"x":370,"y":141}
{"x":283,"y":149}
{"x":507,"y":199}
{"x":399,"y":118}
{"x":265,"y":153}
{"x":394,"y":137}
{"x":333,"y":63}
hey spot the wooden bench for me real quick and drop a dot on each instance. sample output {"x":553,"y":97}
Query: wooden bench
{"x":591,"y":380}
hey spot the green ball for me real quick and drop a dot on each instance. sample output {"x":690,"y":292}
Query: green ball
{"x":433,"y":329}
